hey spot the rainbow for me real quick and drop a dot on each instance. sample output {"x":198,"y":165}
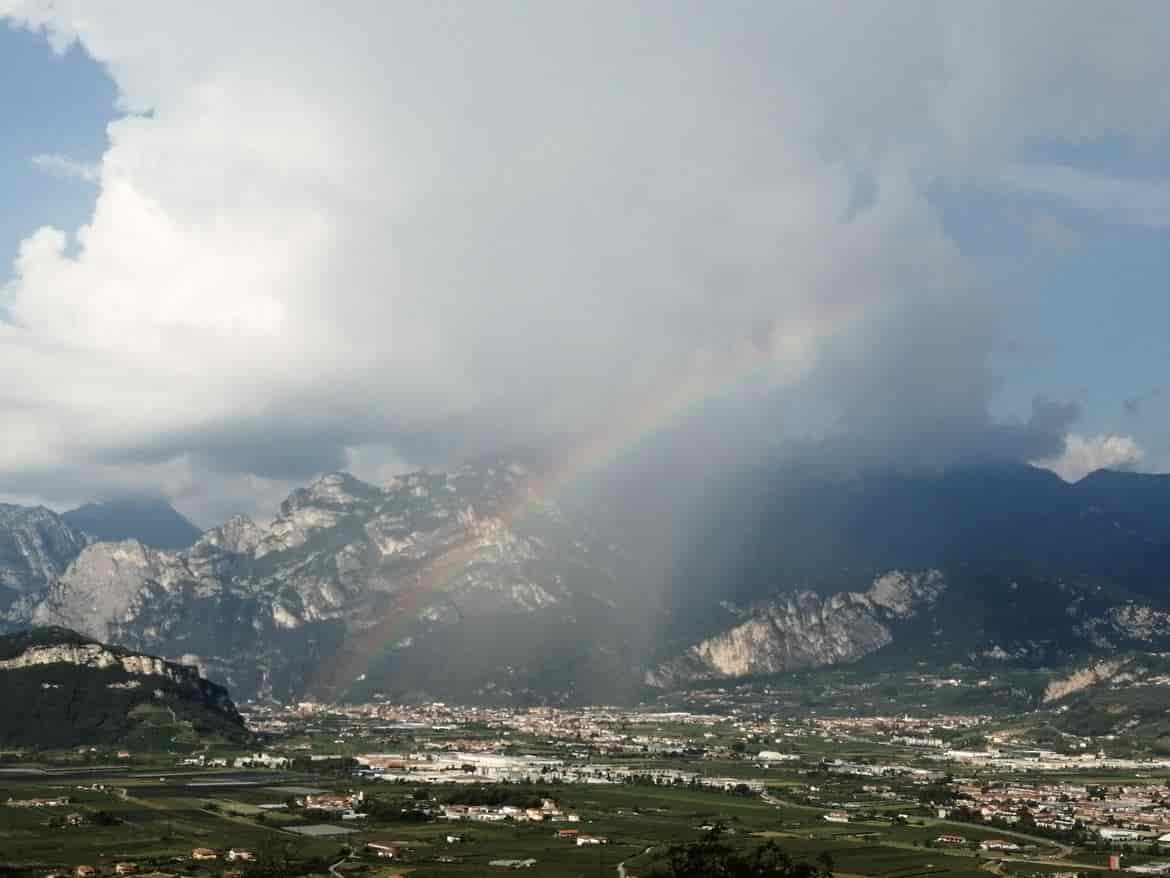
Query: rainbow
{"x":641,"y":417}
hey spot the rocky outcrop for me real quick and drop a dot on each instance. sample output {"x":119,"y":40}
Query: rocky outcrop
{"x":1140,"y":622}
{"x":95,"y":655}
{"x":99,"y":589}
{"x":1081,"y":679}
{"x":803,"y":629}
{"x":36,"y":545}
{"x":236,"y":536}
{"x":1126,"y":624}
{"x":73,"y":690}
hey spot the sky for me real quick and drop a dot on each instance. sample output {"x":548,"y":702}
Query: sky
{"x":393,"y":234}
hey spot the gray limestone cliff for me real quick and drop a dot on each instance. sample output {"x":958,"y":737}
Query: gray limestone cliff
{"x":36,"y":545}
{"x":803,"y":630}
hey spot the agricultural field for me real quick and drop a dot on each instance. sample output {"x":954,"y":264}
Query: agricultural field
{"x":658,"y":781}
{"x":156,"y":820}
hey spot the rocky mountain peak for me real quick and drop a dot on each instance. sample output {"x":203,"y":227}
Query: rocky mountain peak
{"x":36,"y":545}
{"x":902,"y":593}
{"x":338,"y":490}
{"x":239,"y":535}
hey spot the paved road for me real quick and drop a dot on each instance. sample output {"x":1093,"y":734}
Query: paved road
{"x":621,"y":867}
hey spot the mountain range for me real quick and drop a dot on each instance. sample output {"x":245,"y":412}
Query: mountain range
{"x":470,"y":585}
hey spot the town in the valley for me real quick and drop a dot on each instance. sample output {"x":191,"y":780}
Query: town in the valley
{"x":436,"y":789}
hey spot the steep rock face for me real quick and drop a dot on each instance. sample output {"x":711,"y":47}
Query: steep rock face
{"x":98,"y":589}
{"x":1081,"y":679}
{"x":1131,"y":621}
{"x":237,"y":536}
{"x":1128,"y":623}
{"x":36,"y":545}
{"x":347,"y":571}
{"x":802,"y":630}
{"x":95,"y":655}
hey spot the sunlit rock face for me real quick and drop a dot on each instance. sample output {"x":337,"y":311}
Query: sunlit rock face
{"x":95,"y":655}
{"x":264,"y":607}
{"x":36,"y":545}
{"x":1080,"y":679}
{"x":802,"y":630}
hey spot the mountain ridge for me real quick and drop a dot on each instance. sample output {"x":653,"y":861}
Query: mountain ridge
{"x":272,"y":610}
{"x":77,"y":690}
{"x":459,"y":584}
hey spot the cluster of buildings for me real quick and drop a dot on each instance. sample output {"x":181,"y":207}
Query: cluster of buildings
{"x":1112,"y":813}
{"x":580,"y":838}
{"x":346,"y":806}
{"x":56,"y":802}
{"x":548,"y":811}
{"x":232,"y":855}
{"x":480,"y":767}
{"x":1032,"y":759}
{"x":597,"y":730}
{"x":907,"y":731}
{"x":85,"y":871}
{"x":882,"y":769}
{"x":459,"y":767}
{"x":993,"y":845}
{"x":202,"y":761}
{"x":261,"y":760}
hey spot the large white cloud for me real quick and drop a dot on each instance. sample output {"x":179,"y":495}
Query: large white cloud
{"x":320,"y":231}
{"x":1086,"y":454}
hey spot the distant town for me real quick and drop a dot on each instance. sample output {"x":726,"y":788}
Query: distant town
{"x":431,"y":789}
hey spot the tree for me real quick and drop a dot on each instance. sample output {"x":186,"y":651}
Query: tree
{"x":714,"y":858}
{"x":272,"y":861}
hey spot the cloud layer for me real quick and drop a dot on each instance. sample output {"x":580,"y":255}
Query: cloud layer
{"x":1085,"y":454}
{"x":322,"y":237}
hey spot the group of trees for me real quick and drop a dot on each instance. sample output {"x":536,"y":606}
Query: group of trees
{"x":494,"y":795}
{"x":342,"y":766}
{"x":384,"y":811}
{"x":277,"y":860}
{"x":712,"y":857}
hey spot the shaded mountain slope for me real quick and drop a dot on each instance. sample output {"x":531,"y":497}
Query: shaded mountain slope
{"x":73,"y":690}
{"x":152,"y":522}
